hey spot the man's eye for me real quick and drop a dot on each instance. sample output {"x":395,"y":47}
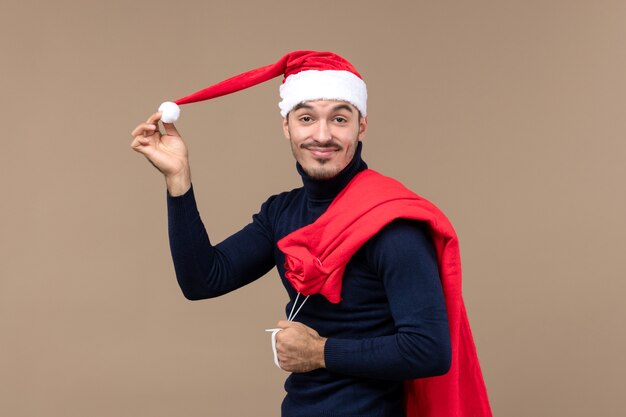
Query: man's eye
{"x":306,"y":119}
{"x":341,"y":119}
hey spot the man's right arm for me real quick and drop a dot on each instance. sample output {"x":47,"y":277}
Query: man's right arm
{"x":202,"y":270}
{"x":207,"y":271}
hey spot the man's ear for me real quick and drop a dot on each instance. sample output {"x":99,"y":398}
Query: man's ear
{"x":362,"y":127}
{"x":286,"y":127}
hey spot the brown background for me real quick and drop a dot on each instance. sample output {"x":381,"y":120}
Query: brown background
{"x":508,"y":114}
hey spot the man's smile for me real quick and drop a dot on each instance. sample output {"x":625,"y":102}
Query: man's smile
{"x":322,"y":151}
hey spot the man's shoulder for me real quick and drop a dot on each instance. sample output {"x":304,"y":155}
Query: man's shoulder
{"x":402,"y":227}
{"x":284,"y":197}
{"x":277,"y":203}
{"x":402,"y":236}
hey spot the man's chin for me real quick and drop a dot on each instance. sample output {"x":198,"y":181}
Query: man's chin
{"x":321,"y":173}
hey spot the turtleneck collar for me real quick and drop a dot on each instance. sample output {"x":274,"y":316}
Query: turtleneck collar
{"x":326,"y":190}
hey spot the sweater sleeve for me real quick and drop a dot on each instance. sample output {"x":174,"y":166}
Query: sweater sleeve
{"x":204,"y":270}
{"x":405,"y":259}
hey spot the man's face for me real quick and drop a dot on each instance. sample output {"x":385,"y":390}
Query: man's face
{"x":324,"y":135}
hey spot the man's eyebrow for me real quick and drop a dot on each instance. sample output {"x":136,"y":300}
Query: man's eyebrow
{"x":338,"y":107}
{"x":302,"y":106}
{"x":342,"y":107}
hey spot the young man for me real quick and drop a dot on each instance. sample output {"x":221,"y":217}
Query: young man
{"x":377,"y":316}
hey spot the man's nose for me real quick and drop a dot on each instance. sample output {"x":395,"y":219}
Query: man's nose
{"x":322,"y":132}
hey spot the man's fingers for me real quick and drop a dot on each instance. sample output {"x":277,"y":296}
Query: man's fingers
{"x":286,"y":324}
{"x":144,"y":129}
{"x":154,"y":118}
{"x":144,"y":133}
{"x":170,"y":129}
{"x":140,"y":142}
{"x":143,"y":140}
{"x":150,"y":126}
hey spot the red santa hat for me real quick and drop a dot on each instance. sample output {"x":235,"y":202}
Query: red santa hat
{"x":308,"y":75}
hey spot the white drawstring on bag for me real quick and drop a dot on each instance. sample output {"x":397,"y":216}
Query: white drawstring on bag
{"x":292,"y":316}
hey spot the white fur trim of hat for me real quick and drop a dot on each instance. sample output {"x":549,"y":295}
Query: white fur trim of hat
{"x":323,"y":85}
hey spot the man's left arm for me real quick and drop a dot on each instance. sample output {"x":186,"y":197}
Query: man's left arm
{"x":405,"y":259}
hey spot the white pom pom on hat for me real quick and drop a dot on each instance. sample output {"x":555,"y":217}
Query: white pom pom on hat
{"x":308,"y":75}
{"x":170,"y":110}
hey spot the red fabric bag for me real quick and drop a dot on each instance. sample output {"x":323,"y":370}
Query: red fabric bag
{"x":316,"y":256}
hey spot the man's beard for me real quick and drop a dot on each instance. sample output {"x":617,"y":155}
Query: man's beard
{"x":325,"y":170}
{"x":321,"y":173}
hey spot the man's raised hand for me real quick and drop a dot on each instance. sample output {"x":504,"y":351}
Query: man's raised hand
{"x":166,"y":151}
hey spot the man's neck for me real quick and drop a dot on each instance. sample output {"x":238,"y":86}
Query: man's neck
{"x":327,"y":190}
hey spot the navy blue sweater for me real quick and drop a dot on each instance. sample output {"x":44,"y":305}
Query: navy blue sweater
{"x":391,"y":324}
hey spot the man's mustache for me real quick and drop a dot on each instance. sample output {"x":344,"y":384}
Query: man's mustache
{"x":317,"y":145}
